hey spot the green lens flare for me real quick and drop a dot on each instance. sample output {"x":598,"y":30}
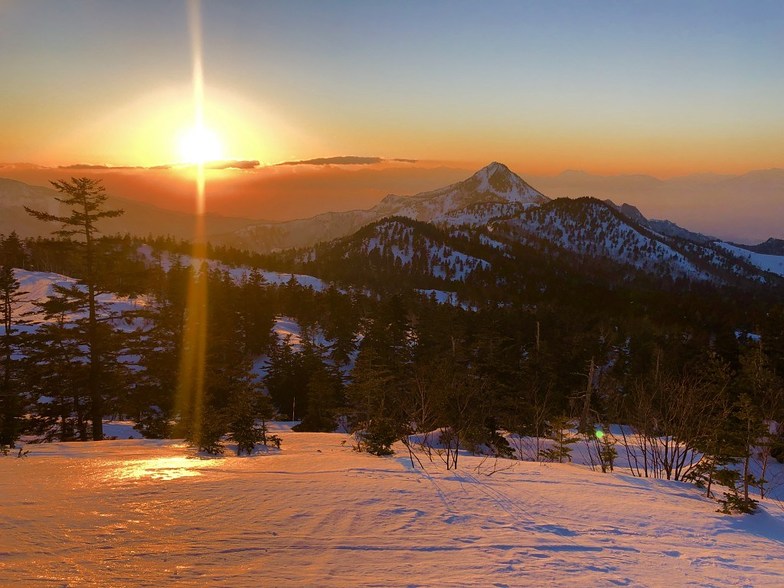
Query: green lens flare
{"x":599,"y":433}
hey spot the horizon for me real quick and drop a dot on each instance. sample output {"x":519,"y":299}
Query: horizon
{"x":331,"y":161}
{"x":264,"y":194}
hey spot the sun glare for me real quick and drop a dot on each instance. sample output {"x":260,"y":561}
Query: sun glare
{"x":200,"y":145}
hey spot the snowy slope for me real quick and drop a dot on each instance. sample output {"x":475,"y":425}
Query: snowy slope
{"x":238,"y":273}
{"x":601,"y":230}
{"x":147,"y":513}
{"x":38,"y":286}
{"x":397,"y":242}
{"x":769,"y":263}
{"x":479,"y":214}
{"x":590,"y":227}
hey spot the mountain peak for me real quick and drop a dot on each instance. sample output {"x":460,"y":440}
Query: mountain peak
{"x":498,"y":181}
{"x":494,"y":167}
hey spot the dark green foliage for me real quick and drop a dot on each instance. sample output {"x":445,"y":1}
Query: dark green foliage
{"x":153,"y":423}
{"x":10,"y":384}
{"x":207,"y":433}
{"x":249,"y":412}
{"x":560,"y":433}
{"x":378,"y":436}
{"x":734,"y":501}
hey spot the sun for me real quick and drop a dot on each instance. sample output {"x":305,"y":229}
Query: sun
{"x":199,"y":145}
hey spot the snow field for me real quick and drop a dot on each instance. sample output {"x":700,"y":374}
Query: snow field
{"x":149,"y":513}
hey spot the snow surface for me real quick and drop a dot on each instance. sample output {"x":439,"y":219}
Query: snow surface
{"x":403,"y":244}
{"x":38,"y":286}
{"x":237,"y":273}
{"x":151,"y":513}
{"x":769,"y":263}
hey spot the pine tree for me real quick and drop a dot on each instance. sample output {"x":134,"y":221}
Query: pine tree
{"x":758,"y":379}
{"x":249,"y":410}
{"x":87,"y":199}
{"x":284,"y":380}
{"x":322,"y":387}
{"x":10,"y":394}
{"x":751,"y":432}
{"x":562,"y":437}
{"x":56,"y":371}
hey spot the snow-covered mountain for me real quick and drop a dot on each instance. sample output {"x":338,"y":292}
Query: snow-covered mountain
{"x":494,"y":184}
{"x":770,"y":247}
{"x":595,"y":229}
{"x":402,"y":245}
{"x":494,"y":207}
{"x":497,"y":209}
{"x":663,"y":227}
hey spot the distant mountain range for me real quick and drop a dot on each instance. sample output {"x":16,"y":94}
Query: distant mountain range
{"x":747,"y":207}
{"x":482,"y":222}
{"x":494,"y":209}
{"x":494,"y":184}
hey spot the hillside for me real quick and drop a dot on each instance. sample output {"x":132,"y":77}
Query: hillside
{"x":587,"y":227}
{"x":745,"y":208}
{"x":318,"y":513}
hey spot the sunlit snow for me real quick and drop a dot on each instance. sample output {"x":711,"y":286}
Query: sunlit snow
{"x":152,"y":513}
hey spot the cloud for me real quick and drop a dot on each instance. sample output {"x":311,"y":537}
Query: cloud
{"x":342,"y":160}
{"x":227,"y":164}
{"x":233,"y":164}
{"x":97,"y":166}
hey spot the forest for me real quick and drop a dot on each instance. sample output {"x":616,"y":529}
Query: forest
{"x":686,"y":378}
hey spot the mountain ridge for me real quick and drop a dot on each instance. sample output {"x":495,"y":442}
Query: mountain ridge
{"x":493,"y":183}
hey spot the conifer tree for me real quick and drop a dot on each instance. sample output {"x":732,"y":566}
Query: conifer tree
{"x":766,"y":389}
{"x":249,"y":410}
{"x":10,"y":395}
{"x":56,"y":371}
{"x":86,"y":199}
{"x":562,"y":438}
{"x":284,"y":380}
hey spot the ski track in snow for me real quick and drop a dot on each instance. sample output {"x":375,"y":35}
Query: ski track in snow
{"x":149,"y":513}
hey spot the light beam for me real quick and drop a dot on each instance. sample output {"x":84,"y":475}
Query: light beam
{"x":191,"y":383}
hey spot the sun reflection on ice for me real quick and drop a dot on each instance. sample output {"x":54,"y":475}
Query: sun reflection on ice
{"x":163,"y":468}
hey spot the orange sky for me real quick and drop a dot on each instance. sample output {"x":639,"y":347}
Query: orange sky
{"x":663,"y":88}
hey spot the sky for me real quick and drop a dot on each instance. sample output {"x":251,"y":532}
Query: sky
{"x":661,"y":88}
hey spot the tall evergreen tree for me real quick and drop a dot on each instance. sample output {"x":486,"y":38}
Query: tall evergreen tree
{"x":9,"y":391}
{"x":87,"y":200}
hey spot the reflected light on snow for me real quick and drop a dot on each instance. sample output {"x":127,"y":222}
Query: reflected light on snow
{"x":162,"y":468}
